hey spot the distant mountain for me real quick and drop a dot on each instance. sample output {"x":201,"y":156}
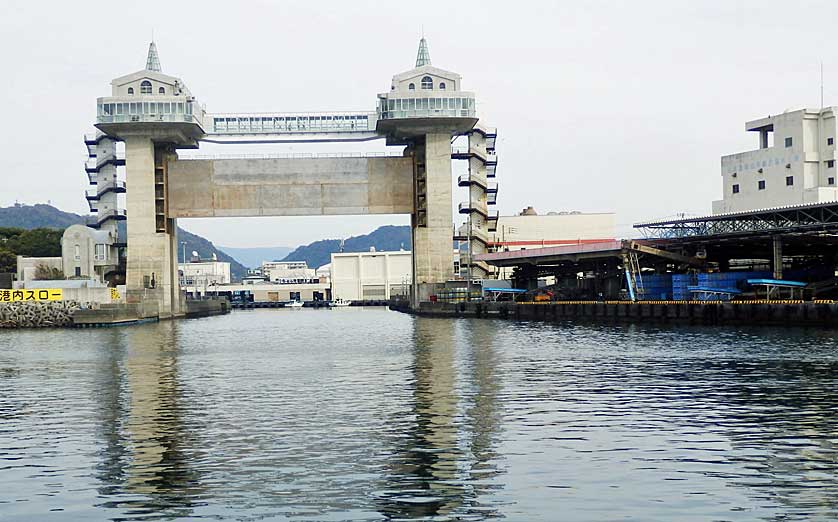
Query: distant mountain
{"x":46,"y":216}
{"x":37,"y":216}
{"x":319,"y":253}
{"x":253,"y":257}
{"x":206,"y":249}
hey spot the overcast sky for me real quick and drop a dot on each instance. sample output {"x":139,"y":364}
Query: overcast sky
{"x":600,"y":106}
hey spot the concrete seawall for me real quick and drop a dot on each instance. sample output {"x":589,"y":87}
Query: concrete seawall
{"x":134,"y":313}
{"x":780,"y":313}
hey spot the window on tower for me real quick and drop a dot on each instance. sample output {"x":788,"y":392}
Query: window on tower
{"x":145,"y":87}
{"x":411,"y":87}
{"x":131,"y":91}
{"x":161,"y":90}
{"x":442,"y":86}
{"x":427,"y":83}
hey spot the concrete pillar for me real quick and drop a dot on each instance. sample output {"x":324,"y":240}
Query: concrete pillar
{"x":763,"y":139}
{"x":777,"y":257}
{"x":151,"y":272}
{"x":432,"y":237}
{"x":387,"y":276}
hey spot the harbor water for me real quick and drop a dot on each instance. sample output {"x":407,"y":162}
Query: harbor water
{"x":368,"y":414}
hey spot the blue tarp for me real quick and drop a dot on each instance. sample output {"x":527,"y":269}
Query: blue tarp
{"x":714,"y":290}
{"x":776,"y":282}
{"x":507,"y":290}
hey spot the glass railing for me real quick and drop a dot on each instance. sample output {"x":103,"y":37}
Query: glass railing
{"x":147,"y":118}
{"x":427,"y":113}
{"x":401,"y":106}
{"x":141,"y":109}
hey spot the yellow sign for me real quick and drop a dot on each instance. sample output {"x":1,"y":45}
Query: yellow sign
{"x":38,"y":294}
{"x":115,"y":294}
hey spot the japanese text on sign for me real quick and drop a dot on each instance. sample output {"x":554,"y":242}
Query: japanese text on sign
{"x":39,"y":294}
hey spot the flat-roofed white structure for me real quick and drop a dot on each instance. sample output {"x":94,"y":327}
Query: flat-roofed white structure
{"x":531,"y":230}
{"x":528,"y":230}
{"x":287,"y":271}
{"x":361,"y":276}
{"x":795,"y":163}
{"x":202,"y":274}
{"x":279,"y":293}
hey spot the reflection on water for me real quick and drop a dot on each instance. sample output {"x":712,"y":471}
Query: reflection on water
{"x":439,"y":468}
{"x":373,"y":415}
{"x":145,"y":462}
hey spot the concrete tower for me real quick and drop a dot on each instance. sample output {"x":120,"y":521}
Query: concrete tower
{"x":154,"y":114}
{"x":482,"y":192}
{"x":424,"y":110}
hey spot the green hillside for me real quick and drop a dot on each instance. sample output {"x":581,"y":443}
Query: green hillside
{"x":31,"y":217}
{"x":386,"y":238}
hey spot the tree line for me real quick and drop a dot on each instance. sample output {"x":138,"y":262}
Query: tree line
{"x":38,"y":242}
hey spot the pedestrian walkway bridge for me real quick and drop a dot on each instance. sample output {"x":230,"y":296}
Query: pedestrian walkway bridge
{"x":291,"y":127}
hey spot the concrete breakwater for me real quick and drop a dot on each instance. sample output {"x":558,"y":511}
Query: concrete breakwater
{"x":38,"y":314}
{"x":781,"y":313}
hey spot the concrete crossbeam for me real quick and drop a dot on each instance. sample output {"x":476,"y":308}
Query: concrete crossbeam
{"x":290,"y":187}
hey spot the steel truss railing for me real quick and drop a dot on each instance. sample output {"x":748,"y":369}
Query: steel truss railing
{"x":803,"y":218}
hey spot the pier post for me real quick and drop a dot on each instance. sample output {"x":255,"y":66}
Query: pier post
{"x":432,"y":219}
{"x":777,"y":257}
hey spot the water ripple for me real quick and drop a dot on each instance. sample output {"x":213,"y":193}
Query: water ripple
{"x":373,"y":415}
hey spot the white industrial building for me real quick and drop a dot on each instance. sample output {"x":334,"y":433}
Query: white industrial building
{"x":528,"y":229}
{"x":203,"y":275}
{"x":794,"y":165}
{"x":280,"y":293}
{"x":287,"y":271}
{"x":359,"y":276}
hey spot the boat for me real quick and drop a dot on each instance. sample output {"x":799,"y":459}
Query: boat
{"x":294,"y":304}
{"x":339,"y":302}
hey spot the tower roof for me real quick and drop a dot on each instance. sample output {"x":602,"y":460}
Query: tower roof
{"x":153,"y":61}
{"x":423,"y":57}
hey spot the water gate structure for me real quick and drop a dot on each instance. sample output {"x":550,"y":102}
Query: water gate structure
{"x":155,"y":115}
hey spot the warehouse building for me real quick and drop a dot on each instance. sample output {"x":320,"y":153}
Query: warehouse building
{"x":371,"y":276}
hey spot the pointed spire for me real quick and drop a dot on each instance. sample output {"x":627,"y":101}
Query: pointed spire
{"x":423,"y":57}
{"x":153,"y":61}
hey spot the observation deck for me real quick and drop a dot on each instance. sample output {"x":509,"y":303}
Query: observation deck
{"x":175,"y":116}
{"x":407,"y":114}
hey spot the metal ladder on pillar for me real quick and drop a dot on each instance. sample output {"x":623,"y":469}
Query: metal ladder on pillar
{"x":633,"y":277}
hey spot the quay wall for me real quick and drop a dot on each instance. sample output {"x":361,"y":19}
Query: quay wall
{"x":779,"y":313}
{"x":37,"y":314}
